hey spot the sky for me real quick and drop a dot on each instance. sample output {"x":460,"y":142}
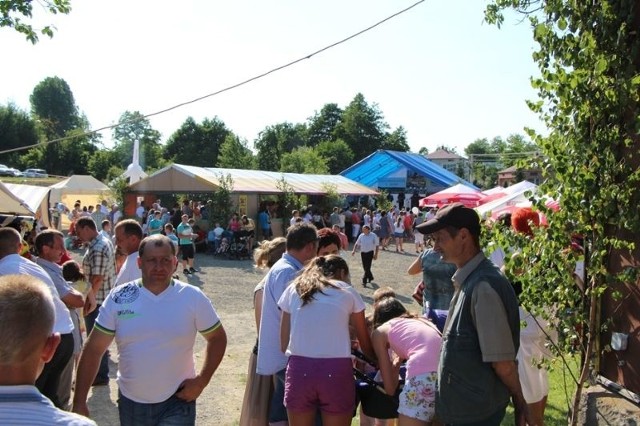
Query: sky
{"x":437,"y":70}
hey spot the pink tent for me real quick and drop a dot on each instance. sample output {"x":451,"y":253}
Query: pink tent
{"x":456,"y":194}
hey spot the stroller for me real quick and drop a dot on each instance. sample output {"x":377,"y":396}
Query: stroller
{"x":239,"y":248}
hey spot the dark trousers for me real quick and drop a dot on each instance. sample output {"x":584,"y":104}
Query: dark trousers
{"x":48,"y":381}
{"x":348,"y":230}
{"x":367,"y":260}
{"x":103,"y":370}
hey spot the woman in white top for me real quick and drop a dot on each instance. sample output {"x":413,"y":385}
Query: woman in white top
{"x":398,"y":233}
{"x":316,"y":310}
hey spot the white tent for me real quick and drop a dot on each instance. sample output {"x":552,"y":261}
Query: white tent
{"x":35,"y":197}
{"x":510,"y":198}
{"x":10,"y":204}
{"x":87,"y":189}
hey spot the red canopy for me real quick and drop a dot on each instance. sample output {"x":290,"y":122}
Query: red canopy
{"x":459,"y":193}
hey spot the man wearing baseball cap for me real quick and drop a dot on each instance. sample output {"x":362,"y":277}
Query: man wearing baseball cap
{"x":477,"y":374}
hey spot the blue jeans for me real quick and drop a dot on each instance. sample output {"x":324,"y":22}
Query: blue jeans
{"x":277,"y":412}
{"x":172,"y":412}
{"x":103,"y":370}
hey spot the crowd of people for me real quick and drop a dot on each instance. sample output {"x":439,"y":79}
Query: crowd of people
{"x":459,"y":355}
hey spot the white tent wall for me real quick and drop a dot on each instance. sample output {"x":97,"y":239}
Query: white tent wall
{"x":87,"y":189}
{"x":10,"y":204}
{"x":36,"y":197}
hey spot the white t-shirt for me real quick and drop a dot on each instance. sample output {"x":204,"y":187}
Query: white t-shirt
{"x":320,"y":329}
{"x":18,"y":265}
{"x":129,"y":270}
{"x":155,"y":349}
{"x":140,"y":212}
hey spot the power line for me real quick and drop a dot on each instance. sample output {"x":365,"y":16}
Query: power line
{"x":226,"y":89}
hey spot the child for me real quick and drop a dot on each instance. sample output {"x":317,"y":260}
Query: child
{"x":417,"y":341}
{"x":71,"y":272}
{"x":320,"y":303}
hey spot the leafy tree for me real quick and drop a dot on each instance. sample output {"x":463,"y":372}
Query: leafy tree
{"x":331,"y":197}
{"x":197,"y":144}
{"x":396,"y":140}
{"x":17,"y":129}
{"x":363,"y":127}
{"x":274,"y":141}
{"x":304,"y":160}
{"x":423,"y":151}
{"x":322,"y":125}
{"x":53,"y":105}
{"x":337,"y":154}
{"x":234,"y":154}
{"x":479,"y":146}
{"x":223,"y":206}
{"x":133,"y":126}
{"x":589,"y":99}
{"x":101,"y":162}
{"x":288,"y":201}
{"x":17,"y":14}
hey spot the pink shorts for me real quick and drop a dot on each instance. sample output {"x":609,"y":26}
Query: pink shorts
{"x":319,"y":383}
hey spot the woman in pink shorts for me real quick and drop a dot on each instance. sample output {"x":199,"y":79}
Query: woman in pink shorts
{"x":416,"y":340}
{"x":316,"y":310}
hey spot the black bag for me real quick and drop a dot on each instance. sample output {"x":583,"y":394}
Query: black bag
{"x":375,"y":402}
{"x":372,"y":396}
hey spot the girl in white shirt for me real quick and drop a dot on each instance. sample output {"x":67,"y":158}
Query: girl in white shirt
{"x":398,"y":233}
{"x":316,"y":310}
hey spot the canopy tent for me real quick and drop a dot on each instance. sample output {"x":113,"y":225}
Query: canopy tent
{"x":179,"y":178}
{"x":383,"y":163}
{"x":12,"y":205}
{"x":459,"y":193}
{"x":35,"y":197}
{"x":87,"y":189}
{"x":499,"y":204}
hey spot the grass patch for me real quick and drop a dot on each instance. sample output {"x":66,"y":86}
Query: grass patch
{"x":32,"y":181}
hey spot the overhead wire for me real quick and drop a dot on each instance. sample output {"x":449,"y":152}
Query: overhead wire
{"x":226,"y":89}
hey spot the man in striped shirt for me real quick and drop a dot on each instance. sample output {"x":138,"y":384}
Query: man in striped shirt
{"x":27,"y":316}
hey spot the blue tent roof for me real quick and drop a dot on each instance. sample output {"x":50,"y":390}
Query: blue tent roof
{"x":381,"y":163}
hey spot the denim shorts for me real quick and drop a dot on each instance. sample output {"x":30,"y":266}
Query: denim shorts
{"x":320,"y":383}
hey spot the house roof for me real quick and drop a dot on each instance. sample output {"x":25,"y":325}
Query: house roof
{"x":441,"y":154}
{"x":180,"y":178}
{"x":384,"y":162}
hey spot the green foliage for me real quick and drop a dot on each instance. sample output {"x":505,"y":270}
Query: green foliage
{"x":133,"y":126}
{"x":396,"y":140}
{"x":288,"y":201}
{"x":304,"y":160}
{"x":17,"y":14}
{"x":118,"y":187}
{"x":337,"y":154}
{"x":331,"y":197}
{"x":17,"y":129}
{"x":323,"y":124}
{"x":362,"y":127}
{"x":275,"y":141}
{"x":423,"y":150}
{"x":382,"y":202}
{"x":101,"y":162}
{"x":197,"y":144}
{"x":53,"y":105}
{"x":234,"y":154}
{"x":222,"y":204}
{"x":589,"y":98}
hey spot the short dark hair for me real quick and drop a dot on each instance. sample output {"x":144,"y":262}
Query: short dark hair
{"x":85,"y":222}
{"x":46,"y":238}
{"x":130,"y":227}
{"x":104,"y":223}
{"x":158,"y":240}
{"x":327,"y":236}
{"x":301,"y":234}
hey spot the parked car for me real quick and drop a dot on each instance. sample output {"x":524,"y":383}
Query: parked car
{"x":8,"y":171}
{"x":36,"y":173}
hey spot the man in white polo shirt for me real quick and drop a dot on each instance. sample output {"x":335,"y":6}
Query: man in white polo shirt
{"x":157,"y":379}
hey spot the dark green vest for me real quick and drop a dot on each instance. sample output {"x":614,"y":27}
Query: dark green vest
{"x":469,"y":390}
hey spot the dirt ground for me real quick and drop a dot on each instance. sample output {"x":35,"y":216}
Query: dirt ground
{"x":229,"y":284}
